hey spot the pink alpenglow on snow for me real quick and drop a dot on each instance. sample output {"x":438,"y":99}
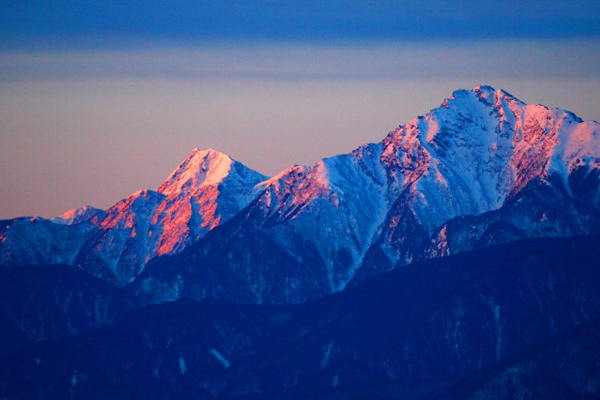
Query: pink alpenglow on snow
{"x":469,"y":156}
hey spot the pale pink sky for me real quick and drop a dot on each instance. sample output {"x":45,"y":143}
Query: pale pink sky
{"x":91,"y":127}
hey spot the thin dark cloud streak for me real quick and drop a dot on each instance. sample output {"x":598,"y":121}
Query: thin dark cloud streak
{"x":67,"y":24}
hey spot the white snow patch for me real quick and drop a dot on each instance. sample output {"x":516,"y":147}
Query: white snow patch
{"x":325,"y":359}
{"x":201,"y":167}
{"x":76,"y":215}
{"x":220,"y":357}
{"x":390,"y":374}
{"x":182,"y":365}
{"x":499,"y":329}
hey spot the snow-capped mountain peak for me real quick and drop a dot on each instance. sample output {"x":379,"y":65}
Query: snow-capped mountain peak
{"x":201,"y":167}
{"x":205,"y":190}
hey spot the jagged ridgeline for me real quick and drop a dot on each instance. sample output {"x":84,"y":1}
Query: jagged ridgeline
{"x":483,"y":168}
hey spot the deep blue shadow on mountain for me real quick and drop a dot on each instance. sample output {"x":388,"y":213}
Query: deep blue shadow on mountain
{"x":45,"y":302}
{"x":503,"y":322}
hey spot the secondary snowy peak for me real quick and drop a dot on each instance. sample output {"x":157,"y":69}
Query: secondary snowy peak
{"x":77,"y":215}
{"x":205,"y":168}
{"x":132,"y":211}
{"x":205,"y":190}
{"x":335,"y":206}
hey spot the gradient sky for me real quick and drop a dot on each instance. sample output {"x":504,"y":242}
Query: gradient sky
{"x":101,"y":98}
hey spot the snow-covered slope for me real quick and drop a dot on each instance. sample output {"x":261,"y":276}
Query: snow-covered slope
{"x":40,"y":241}
{"x":205,"y":190}
{"x":78,"y":215}
{"x":483,"y":146}
{"x":475,"y":152}
{"x":336,"y":205}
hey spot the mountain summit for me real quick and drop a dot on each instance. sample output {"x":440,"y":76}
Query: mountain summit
{"x":205,"y":168}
